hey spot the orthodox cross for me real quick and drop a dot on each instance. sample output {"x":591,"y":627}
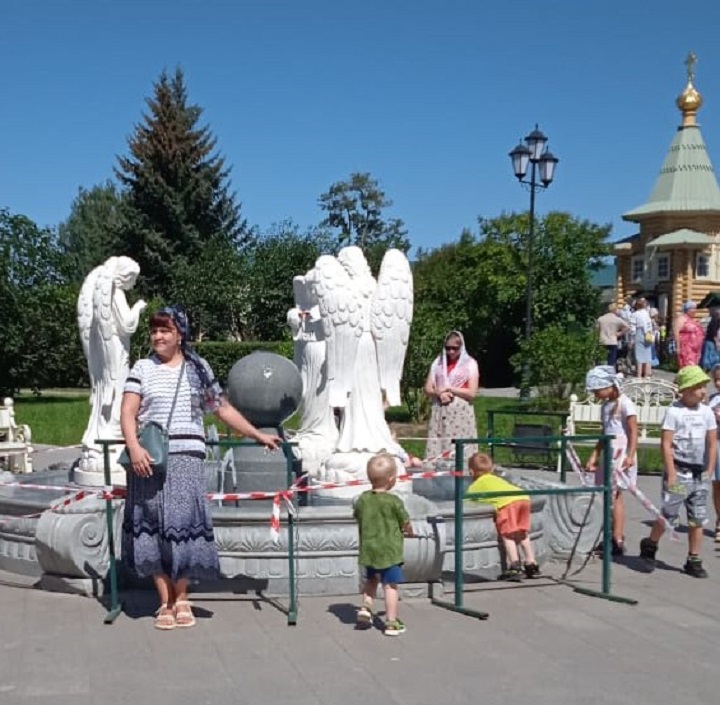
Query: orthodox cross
{"x":690,"y":63}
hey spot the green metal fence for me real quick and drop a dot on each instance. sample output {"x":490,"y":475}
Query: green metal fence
{"x":457,"y":605}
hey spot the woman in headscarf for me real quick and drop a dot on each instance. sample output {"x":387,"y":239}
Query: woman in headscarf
{"x":167,"y":528}
{"x":452,"y":385}
{"x":689,"y":336}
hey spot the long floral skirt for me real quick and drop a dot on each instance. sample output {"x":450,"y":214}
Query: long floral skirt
{"x":167,"y":528}
{"x":453,"y":420}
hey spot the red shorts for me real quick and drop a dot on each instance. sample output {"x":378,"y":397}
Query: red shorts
{"x":513,"y":518}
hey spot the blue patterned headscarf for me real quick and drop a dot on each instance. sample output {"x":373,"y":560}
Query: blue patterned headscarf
{"x":602,"y":377}
{"x":213,"y":390}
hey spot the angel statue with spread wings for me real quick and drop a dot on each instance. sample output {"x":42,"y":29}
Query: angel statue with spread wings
{"x":366,"y":324}
{"x":106,"y":324}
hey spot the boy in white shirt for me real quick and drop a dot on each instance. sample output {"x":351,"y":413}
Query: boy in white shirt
{"x":689,"y":449}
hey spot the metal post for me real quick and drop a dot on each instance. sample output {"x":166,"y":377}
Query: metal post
{"x":491,"y":431}
{"x":607,"y":512}
{"x":115,"y":606}
{"x":459,"y":578}
{"x":457,"y":604}
{"x":292,"y":609}
{"x":525,"y":388}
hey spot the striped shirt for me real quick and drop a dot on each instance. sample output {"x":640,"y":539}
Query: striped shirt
{"x":155,"y":383}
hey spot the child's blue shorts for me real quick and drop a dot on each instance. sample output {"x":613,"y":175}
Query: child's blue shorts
{"x":388,"y":576}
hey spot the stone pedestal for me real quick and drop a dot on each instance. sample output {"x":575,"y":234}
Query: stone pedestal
{"x":89,"y":471}
{"x":72,"y":545}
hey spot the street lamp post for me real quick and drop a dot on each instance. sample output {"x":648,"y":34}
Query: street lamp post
{"x":535,"y":154}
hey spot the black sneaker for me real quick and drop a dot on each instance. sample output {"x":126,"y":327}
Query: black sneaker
{"x":648,"y":549}
{"x":694,"y":567}
{"x":532,"y":570}
{"x":513,"y":573}
{"x":618,"y":548}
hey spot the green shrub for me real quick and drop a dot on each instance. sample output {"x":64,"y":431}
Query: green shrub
{"x":559,"y":360}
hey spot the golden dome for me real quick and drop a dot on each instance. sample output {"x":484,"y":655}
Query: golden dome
{"x":690,"y":100}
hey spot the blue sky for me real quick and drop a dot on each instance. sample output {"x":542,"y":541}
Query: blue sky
{"x":429,"y":97}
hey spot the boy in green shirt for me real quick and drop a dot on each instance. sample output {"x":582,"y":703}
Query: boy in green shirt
{"x":382,"y":522}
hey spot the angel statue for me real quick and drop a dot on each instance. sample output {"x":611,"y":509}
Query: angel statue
{"x":106,"y":324}
{"x":318,"y":433}
{"x":366,"y":326}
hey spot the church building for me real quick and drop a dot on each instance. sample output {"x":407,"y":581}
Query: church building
{"x":676,"y":255}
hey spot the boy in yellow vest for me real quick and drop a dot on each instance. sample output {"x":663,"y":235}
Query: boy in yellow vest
{"x":512,"y":517}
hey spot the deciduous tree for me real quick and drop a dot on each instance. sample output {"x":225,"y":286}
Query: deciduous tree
{"x":355,"y":210}
{"x":37,"y":316}
{"x":90,"y":234}
{"x":280,"y":254}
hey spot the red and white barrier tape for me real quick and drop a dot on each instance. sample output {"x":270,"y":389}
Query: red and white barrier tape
{"x":640,"y":496}
{"x":620,"y":474}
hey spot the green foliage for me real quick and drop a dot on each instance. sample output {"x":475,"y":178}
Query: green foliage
{"x":178,"y":200}
{"x":272,"y":262}
{"x":478,"y":284}
{"x":355,"y":209}
{"x":559,"y":359}
{"x":426,"y":336}
{"x":222,"y":356}
{"x":89,"y":236}
{"x":215,"y":291}
{"x":37,"y":316}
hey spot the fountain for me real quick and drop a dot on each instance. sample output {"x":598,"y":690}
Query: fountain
{"x":351,"y":334}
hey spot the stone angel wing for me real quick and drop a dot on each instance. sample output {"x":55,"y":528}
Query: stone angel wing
{"x":390,"y":319}
{"x":103,"y":330}
{"x":341,"y":315}
{"x":85,"y":316}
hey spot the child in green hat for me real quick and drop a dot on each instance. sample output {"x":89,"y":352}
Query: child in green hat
{"x":689,"y":448}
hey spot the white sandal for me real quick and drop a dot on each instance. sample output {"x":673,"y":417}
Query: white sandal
{"x":165,"y":618}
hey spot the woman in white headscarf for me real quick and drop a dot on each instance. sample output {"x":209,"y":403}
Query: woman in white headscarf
{"x":452,"y":385}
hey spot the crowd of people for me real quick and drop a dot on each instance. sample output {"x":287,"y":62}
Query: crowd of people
{"x":636,"y":337}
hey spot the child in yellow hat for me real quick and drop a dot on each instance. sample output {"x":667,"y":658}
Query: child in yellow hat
{"x":689,"y":449}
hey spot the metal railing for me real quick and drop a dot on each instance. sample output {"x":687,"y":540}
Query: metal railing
{"x":460,"y":495}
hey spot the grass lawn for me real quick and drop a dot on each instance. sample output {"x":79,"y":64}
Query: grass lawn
{"x":59,"y":417}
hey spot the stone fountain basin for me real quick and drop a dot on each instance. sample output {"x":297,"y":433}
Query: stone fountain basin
{"x":67,"y":547}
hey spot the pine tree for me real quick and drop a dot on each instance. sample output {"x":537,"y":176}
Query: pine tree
{"x":177,"y":187}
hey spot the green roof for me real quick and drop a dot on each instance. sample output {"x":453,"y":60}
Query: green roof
{"x":687,"y":181}
{"x":681,"y":237}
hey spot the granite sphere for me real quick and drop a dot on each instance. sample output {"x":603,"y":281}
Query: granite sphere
{"x":265,"y":388}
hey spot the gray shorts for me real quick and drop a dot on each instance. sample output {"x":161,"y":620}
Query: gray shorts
{"x":689,"y":491}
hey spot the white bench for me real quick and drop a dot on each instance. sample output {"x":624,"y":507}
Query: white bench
{"x":651,"y":398}
{"x":14,"y":440}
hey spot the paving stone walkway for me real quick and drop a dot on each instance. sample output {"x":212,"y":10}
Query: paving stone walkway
{"x":543,"y":644}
